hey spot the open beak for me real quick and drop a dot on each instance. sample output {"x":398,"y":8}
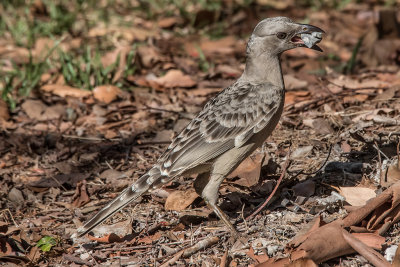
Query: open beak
{"x":308,"y":36}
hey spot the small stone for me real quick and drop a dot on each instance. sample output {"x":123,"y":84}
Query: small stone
{"x":390,"y":252}
{"x":271,"y":250}
{"x":311,"y":39}
{"x":16,"y":196}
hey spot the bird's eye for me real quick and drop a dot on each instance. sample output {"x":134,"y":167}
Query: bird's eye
{"x":281,"y":35}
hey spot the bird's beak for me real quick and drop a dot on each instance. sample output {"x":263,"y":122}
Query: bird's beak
{"x":308,"y":36}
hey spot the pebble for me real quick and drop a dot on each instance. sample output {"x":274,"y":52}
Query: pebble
{"x":311,"y":39}
{"x":390,"y":252}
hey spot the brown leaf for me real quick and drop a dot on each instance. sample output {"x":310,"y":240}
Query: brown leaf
{"x":391,"y":176}
{"x":4,"y":114}
{"x":64,"y":90}
{"x":180,"y":200}
{"x":367,"y":252}
{"x":292,"y":83}
{"x":169,"y":22}
{"x":305,"y":189}
{"x":111,"y":238}
{"x":228,"y":71}
{"x":175,"y":78}
{"x":302,"y":262}
{"x":248,"y":171}
{"x":81,"y":196}
{"x":106,"y":93}
{"x":357,"y":196}
{"x":149,"y":239}
{"x":224,"y":46}
{"x":358,"y":98}
{"x":256,"y":258}
{"x":148,"y":56}
{"x":34,"y":108}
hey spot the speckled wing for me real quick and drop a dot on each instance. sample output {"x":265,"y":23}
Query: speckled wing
{"x":227,"y":121}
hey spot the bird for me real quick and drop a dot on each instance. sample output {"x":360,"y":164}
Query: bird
{"x":230,"y":126}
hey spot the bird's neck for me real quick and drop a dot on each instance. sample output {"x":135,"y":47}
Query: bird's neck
{"x":264,"y":68}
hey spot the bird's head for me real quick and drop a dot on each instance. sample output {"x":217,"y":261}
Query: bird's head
{"x":276,"y":35}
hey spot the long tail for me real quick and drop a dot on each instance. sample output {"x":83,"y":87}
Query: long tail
{"x":141,"y":186}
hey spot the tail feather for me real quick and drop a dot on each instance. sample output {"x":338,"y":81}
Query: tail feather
{"x":141,"y":186}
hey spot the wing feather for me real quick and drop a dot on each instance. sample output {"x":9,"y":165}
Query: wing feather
{"x":228,"y":120}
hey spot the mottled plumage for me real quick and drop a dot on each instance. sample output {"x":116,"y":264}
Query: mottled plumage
{"x":230,"y":126}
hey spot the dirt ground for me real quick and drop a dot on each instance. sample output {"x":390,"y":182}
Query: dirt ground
{"x":93,"y":93}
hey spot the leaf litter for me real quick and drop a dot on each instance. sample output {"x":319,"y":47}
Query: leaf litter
{"x":66,"y":151}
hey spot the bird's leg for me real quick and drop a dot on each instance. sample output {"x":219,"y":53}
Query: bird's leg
{"x":207,"y":187}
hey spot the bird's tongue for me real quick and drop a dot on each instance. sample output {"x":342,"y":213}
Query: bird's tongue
{"x":297,"y":39}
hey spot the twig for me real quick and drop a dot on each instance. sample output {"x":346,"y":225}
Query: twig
{"x":224,"y":259}
{"x":203,"y":244}
{"x":380,"y":151}
{"x":320,"y":168}
{"x":245,"y":222}
{"x":344,"y":87}
{"x":90,"y":138}
{"x":58,"y":182}
{"x":173,"y":259}
{"x":12,"y":218}
{"x":381,"y":178}
{"x":284,"y":168}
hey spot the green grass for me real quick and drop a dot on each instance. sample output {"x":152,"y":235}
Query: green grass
{"x":86,"y":71}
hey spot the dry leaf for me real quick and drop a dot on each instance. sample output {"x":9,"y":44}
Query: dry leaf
{"x":106,"y":93}
{"x":305,"y":189}
{"x":224,"y":46}
{"x":357,"y":196}
{"x":34,"y":109}
{"x":64,"y":90}
{"x":248,"y":171}
{"x":292,"y":83}
{"x":391,"y":176}
{"x":111,"y":238}
{"x":169,"y":22}
{"x":175,"y":78}
{"x":180,"y":200}
{"x":148,"y":56}
{"x":257,"y":258}
{"x":4,"y":114}
{"x":81,"y":196}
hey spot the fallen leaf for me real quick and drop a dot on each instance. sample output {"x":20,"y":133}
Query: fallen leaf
{"x":304,"y":189}
{"x":180,"y":200}
{"x":248,"y":171}
{"x":357,"y":196}
{"x":64,"y":90}
{"x":391,"y":176}
{"x":358,"y":98}
{"x":149,"y":239}
{"x":169,"y":22}
{"x":292,"y":83}
{"x":4,"y":114}
{"x":228,"y":71}
{"x":34,"y":108}
{"x":175,"y":78}
{"x":148,"y":56}
{"x":106,"y":93}
{"x":256,"y":258}
{"x":224,"y":46}
{"x":111,"y":238}
{"x":81,"y":197}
